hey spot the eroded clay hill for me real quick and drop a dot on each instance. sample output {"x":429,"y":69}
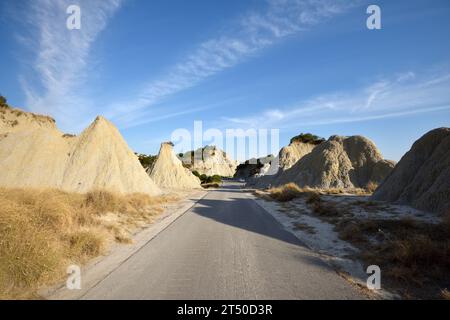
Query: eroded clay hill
{"x":34,"y":153}
{"x":211,"y":161}
{"x":287,"y":157}
{"x":339,"y":162}
{"x":168,"y":171}
{"x":422,"y":177}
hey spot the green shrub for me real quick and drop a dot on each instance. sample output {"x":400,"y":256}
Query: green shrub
{"x":210,"y":185}
{"x":205,"y":179}
{"x":308,"y":138}
{"x":146,"y":160}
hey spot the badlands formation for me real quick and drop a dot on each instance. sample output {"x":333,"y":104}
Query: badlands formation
{"x":253,"y":167}
{"x":287,"y":157}
{"x":168,"y":171}
{"x":35,"y":153}
{"x":339,"y":162}
{"x":211,"y":161}
{"x":422,"y":177}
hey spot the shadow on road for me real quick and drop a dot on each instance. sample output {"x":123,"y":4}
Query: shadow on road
{"x":245,"y":214}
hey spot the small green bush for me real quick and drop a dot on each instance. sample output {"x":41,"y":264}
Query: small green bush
{"x":4,"y":102}
{"x":146,"y":160}
{"x":308,"y":138}
{"x":205,"y":179}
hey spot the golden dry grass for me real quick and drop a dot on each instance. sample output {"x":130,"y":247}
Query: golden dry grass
{"x":445,"y":294}
{"x":334,"y":191}
{"x":415,"y":255}
{"x":355,"y":191}
{"x":44,"y":231}
{"x":371,"y":187}
{"x":289,"y":192}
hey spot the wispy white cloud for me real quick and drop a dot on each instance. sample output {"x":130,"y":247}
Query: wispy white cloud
{"x":250,"y":34}
{"x":59,"y":65}
{"x":396,"y":96}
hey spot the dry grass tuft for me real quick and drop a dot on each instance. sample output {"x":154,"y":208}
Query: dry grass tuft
{"x":413,"y":254}
{"x":262,"y":194}
{"x":286,"y":192}
{"x":289,"y":192}
{"x":85,"y":244}
{"x":371,"y":187}
{"x":334,"y":191}
{"x":445,"y":294}
{"x":44,"y":231}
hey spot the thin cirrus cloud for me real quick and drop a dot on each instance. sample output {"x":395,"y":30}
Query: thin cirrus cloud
{"x":252,"y":33}
{"x":396,"y":96}
{"x":60,"y":57}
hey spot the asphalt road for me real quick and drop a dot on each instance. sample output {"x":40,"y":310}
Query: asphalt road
{"x":225,"y":247}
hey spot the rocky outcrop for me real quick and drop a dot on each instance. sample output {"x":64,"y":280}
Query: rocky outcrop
{"x":168,"y":171}
{"x":422,"y":177}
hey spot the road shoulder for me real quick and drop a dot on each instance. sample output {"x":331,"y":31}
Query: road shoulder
{"x":99,"y":268}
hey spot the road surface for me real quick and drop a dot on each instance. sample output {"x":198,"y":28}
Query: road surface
{"x":224,"y":247}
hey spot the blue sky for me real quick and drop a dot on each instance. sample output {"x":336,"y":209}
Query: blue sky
{"x":301,"y":66}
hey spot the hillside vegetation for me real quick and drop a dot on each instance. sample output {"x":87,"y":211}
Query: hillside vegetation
{"x":308,"y":138}
{"x":146,"y":160}
{"x":208,"y":181}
